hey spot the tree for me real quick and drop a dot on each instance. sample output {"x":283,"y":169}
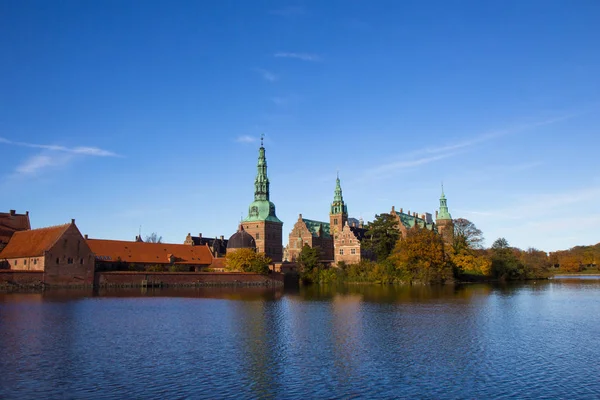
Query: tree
{"x":381,"y":237}
{"x":420,"y":257}
{"x":309,"y":258}
{"x":247,"y":260}
{"x":472,"y":264}
{"x":466,"y":235}
{"x":505,"y":264}
{"x":153,"y":238}
{"x":536,"y":262}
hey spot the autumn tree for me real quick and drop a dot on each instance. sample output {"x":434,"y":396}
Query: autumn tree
{"x":420,"y":257}
{"x":536,"y":262}
{"x":153,"y":238}
{"x":471,"y":263}
{"x":381,"y":237}
{"x":466,"y":235}
{"x":247,"y":260}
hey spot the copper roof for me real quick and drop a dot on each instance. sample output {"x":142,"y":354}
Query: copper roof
{"x":149,"y":253}
{"x":33,"y":243}
{"x":12,"y":222}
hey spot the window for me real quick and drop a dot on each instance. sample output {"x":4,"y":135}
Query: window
{"x":34,"y":261}
{"x":342,"y":241}
{"x":24,"y":262}
{"x":335,"y":221}
{"x":16,"y":262}
{"x":352,"y":251}
{"x":57,"y":260}
{"x":341,"y":252}
{"x":69,"y":260}
{"x":257,"y":236}
{"x":81,"y":261}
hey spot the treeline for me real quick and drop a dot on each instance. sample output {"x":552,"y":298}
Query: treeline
{"x":577,"y":259}
{"x":422,"y":257}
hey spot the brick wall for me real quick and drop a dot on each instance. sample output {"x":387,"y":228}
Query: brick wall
{"x":21,"y":277}
{"x":268,"y":237}
{"x":126,"y":278}
{"x":70,"y":261}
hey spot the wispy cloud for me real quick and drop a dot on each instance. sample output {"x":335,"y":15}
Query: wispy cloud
{"x":81,"y":150}
{"x":299,"y":56}
{"x":267,"y":75}
{"x":246,"y":139}
{"x":288,"y":11}
{"x":37,"y":164}
{"x":432,"y":154}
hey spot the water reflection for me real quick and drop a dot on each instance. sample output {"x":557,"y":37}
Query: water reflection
{"x":471,"y":341}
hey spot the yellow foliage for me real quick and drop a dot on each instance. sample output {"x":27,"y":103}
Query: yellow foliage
{"x":473,"y":264}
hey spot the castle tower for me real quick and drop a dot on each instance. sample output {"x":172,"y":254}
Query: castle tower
{"x":338,"y":215}
{"x":443,"y":220}
{"x":262,"y":222}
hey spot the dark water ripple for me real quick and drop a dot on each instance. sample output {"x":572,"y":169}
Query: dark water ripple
{"x":476,"y":342}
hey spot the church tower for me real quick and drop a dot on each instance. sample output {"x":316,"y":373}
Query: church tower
{"x":338,"y":215}
{"x":443,"y":220}
{"x":262,"y":222}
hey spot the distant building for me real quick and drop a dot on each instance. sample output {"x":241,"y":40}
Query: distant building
{"x":443,"y":220}
{"x":241,"y":240}
{"x":262,"y":222}
{"x":339,"y":239}
{"x":217,"y":246}
{"x":61,"y":252}
{"x":10,"y":223}
{"x":123,"y":255}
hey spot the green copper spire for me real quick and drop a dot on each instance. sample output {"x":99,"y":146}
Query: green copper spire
{"x":338,"y":206}
{"x":261,"y":183}
{"x":443,"y":212}
{"x":261,"y":208}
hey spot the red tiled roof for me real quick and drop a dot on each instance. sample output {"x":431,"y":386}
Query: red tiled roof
{"x":149,"y":253}
{"x":218,"y":262}
{"x":32,"y":243}
{"x":11,"y":223}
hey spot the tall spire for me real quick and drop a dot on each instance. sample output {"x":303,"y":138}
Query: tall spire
{"x":338,"y":206}
{"x":443,"y":212}
{"x":261,"y":183}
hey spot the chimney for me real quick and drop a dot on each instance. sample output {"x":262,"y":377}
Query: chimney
{"x":12,"y":212}
{"x":27,"y":213}
{"x":393,"y":209}
{"x":200,"y":235}
{"x":299,"y":216}
{"x":401,"y":210}
{"x":436,"y":214}
{"x":85,"y":236}
{"x":72,"y":221}
{"x":222,"y":237}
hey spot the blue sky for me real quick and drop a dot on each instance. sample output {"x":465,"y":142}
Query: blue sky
{"x":124,"y":114}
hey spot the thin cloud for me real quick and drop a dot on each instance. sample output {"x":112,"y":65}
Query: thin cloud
{"x":431,"y":154}
{"x":246,"y":139}
{"x":267,"y":75}
{"x":299,"y":56}
{"x":80,"y":150}
{"x":288,"y":11}
{"x":39,"y":163}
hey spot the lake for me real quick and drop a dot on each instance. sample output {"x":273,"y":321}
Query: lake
{"x":535,"y":340}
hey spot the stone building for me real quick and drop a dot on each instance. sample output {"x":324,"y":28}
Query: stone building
{"x":262,"y":222}
{"x":10,"y":223}
{"x":61,"y":252}
{"x":124,"y":255}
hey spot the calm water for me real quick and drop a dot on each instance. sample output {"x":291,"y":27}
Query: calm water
{"x":537,"y":340}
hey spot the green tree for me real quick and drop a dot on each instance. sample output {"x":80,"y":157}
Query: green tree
{"x":381,"y":237}
{"x":247,"y":260}
{"x":505,"y":264}
{"x":309,"y":258}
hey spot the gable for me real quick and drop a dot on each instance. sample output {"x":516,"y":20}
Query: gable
{"x":34,"y":242}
